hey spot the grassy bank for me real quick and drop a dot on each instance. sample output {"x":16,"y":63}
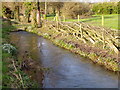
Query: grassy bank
{"x":12,"y":74}
{"x":111,"y":21}
{"x":99,"y":56}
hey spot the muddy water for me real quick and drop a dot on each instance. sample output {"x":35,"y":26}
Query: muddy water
{"x":67,"y":70}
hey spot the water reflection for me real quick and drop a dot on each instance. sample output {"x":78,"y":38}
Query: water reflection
{"x":67,"y":69}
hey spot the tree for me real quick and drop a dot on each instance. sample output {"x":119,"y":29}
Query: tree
{"x":28,"y":8}
{"x":33,"y":18}
{"x":39,"y":23}
{"x":12,"y":9}
{"x":72,"y":9}
{"x":105,"y":8}
{"x":56,"y":6}
{"x":16,"y":10}
{"x":45,"y":9}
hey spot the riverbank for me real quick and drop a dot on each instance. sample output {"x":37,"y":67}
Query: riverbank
{"x":14,"y":74}
{"x":97,"y":55}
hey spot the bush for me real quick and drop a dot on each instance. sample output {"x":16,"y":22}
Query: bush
{"x":71,"y":10}
{"x":105,"y":8}
{"x":55,"y":7}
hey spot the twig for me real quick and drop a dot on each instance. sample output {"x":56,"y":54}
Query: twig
{"x":15,"y":75}
{"x":18,"y":73}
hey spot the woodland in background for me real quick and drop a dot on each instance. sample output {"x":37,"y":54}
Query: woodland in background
{"x":26,"y":11}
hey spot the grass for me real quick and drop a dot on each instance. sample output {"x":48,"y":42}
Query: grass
{"x":111,"y":21}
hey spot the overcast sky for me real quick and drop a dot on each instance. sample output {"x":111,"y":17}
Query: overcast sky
{"x":98,"y":0}
{"x":60,"y":0}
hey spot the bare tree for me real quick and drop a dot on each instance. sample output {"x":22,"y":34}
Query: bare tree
{"x":56,"y":6}
{"x":39,"y":23}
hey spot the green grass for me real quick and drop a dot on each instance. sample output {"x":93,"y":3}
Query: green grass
{"x":111,"y":21}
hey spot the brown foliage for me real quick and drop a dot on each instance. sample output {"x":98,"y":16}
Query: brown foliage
{"x":56,"y":6}
{"x":72,"y":9}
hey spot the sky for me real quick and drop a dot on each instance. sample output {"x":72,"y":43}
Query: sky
{"x":98,"y":0}
{"x":62,"y":0}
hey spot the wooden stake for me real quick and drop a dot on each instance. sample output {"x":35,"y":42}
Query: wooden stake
{"x":44,"y":16}
{"x":54,"y":19}
{"x":78,"y":18}
{"x":63,"y":18}
{"x":102,"y":20}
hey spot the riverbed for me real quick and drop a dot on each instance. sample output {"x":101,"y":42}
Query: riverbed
{"x":67,"y":70}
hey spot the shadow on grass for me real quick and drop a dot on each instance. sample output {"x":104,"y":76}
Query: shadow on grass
{"x":51,"y":15}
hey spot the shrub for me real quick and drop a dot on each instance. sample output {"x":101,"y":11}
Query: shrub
{"x":71,"y":10}
{"x":105,"y":8}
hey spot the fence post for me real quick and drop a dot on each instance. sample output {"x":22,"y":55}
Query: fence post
{"x":63,"y":18}
{"x":78,"y":18}
{"x":45,"y":17}
{"x":54,"y":19}
{"x":102,"y":20}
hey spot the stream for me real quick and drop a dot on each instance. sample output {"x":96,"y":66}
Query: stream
{"x":67,"y":70}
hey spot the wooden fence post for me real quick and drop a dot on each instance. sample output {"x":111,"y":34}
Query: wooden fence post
{"x":63,"y":18}
{"x":102,"y":20}
{"x":78,"y":18}
{"x":44,"y":16}
{"x":54,"y":19}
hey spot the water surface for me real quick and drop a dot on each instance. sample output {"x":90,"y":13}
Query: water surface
{"x":67,"y":70}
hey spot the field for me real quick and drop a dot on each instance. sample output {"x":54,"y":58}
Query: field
{"x":110,"y":21}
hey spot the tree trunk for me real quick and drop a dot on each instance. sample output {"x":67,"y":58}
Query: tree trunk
{"x":16,"y":13}
{"x":45,"y":7}
{"x":45,"y":14}
{"x":39,"y":23}
{"x":54,"y":10}
{"x":34,"y":21}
